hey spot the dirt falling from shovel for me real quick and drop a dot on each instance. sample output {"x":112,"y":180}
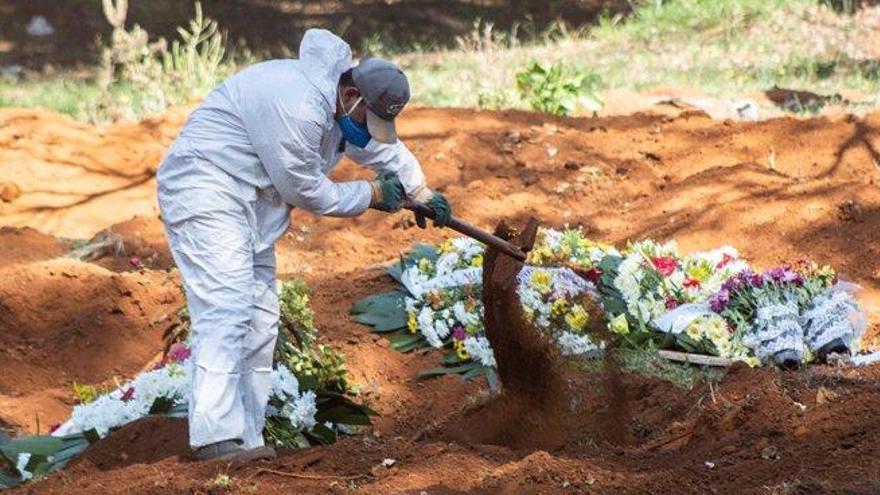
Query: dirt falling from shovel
{"x":541,"y":405}
{"x":527,"y":363}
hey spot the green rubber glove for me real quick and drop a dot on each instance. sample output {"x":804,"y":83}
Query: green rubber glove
{"x":388,"y":192}
{"x":442,"y":211}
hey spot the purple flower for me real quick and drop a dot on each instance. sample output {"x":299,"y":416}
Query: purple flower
{"x":719,"y":300}
{"x":775,"y":274}
{"x":756,"y":280}
{"x":458,"y":332}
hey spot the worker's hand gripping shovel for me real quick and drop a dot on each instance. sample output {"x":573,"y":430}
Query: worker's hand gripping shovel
{"x":423,"y":210}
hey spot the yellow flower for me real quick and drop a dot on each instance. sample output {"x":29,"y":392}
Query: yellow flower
{"x":585,"y":244}
{"x":424,"y":265}
{"x":446,"y":246}
{"x":619,"y":325}
{"x":700,"y":272}
{"x":412,"y":323}
{"x":723,"y":347}
{"x":577,"y":318}
{"x":540,"y":255}
{"x":477,"y":261}
{"x":694,"y":331}
{"x":565,"y":251}
{"x":715,"y":332}
{"x":541,"y":280}
{"x":460,"y":350}
{"x":826,"y":271}
{"x":752,"y":361}
{"x":559,"y":307}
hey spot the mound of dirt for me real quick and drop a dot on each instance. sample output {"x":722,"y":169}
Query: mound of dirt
{"x":23,"y":245}
{"x":76,"y":179}
{"x":66,"y":321}
{"x":146,"y":441}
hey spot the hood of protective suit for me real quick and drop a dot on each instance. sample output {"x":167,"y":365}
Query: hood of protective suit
{"x":324,"y":57}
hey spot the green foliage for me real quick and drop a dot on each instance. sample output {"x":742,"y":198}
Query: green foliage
{"x":655,"y":18}
{"x":47,"y":453}
{"x":84,"y":393}
{"x":297,"y":316}
{"x":558,"y":89}
{"x":316,"y":366}
{"x":59,"y":93}
{"x":139,"y":77}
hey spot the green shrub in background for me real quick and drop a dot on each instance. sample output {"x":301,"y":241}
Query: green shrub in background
{"x":139,"y":77}
{"x":558,"y":89}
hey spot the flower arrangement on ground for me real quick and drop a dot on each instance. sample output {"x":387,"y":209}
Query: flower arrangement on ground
{"x":707,"y":302}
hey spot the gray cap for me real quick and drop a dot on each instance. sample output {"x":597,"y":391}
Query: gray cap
{"x":386,"y":91}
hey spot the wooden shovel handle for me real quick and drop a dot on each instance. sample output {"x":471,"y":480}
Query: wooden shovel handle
{"x":468,"y":230}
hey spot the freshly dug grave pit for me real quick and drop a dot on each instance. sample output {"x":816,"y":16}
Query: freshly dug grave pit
{"x":540,"y":405}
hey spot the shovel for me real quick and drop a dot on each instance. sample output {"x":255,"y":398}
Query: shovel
{"x":469,"y":230}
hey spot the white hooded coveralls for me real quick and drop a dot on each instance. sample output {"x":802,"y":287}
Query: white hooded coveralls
{"x":265,"y":140}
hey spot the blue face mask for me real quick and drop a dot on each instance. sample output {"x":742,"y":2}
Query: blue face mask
{"x":353,"y":131}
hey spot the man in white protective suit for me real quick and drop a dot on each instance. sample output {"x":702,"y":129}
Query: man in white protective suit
{"x":261,"y":143}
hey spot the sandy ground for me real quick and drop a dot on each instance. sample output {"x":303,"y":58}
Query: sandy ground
{"x":777,"y":190}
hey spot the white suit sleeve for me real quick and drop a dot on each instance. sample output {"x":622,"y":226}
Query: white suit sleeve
{"x":288,"y":145}
{"x":393,"y":158}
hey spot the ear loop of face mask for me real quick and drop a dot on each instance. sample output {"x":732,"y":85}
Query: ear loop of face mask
{"x":356,"y":103}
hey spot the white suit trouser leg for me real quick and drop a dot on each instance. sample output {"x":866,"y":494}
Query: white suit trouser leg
{"x":234,"y":311}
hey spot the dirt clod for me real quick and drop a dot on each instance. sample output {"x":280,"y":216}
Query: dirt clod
{"x":9,"y":192}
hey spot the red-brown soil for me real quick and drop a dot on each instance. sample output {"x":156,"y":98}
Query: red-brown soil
{"x":777,"y":190}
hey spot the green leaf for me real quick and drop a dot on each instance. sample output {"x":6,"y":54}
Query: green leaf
{"x":474,"y":373}
{"x":321,"y":435}
{"x":448,"y":370}
{"x":405,"y":341}
{"x":42,"y":445}
{"x":92,"y":435}
{"x":384,"y":312}
{"x":8,"y":481}
{"x":74,"y":448}
{"x":492,"y":377}
{"x":343,"y":415}
{"x":450,"y":359}
{"x":161,"y":405}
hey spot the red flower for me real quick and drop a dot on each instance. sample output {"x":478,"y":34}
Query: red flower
{"x":692,"y":283}
{"x":128,"y":394}
{"x":665,"y":266}
{"x":671,"y":302}
{"x":725,"y":260}
{"x":136,"y":262}
{"x":594,"y":275}
{"x":178,"y":353}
